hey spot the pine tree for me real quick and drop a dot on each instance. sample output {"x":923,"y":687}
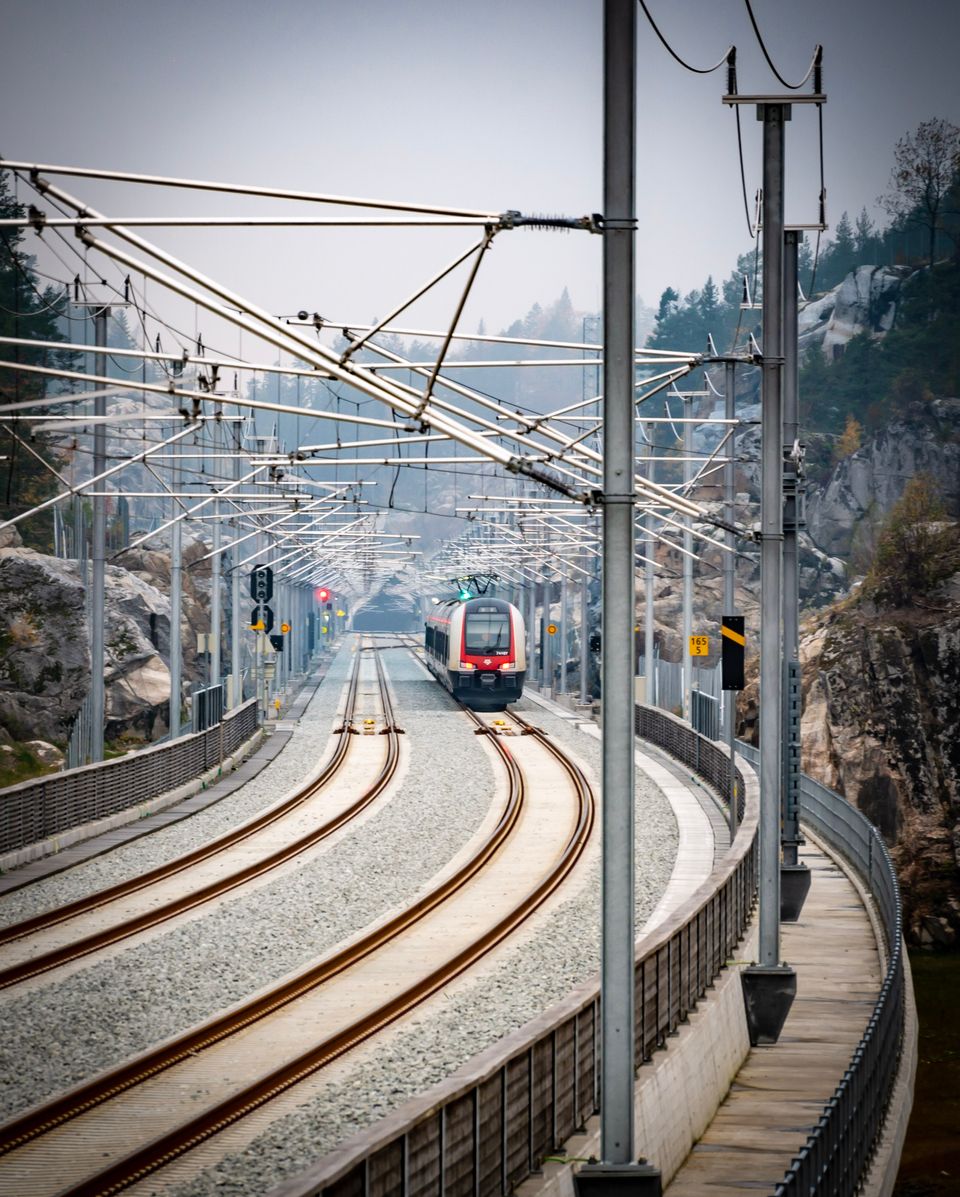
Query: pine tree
{"x":27,"y":311}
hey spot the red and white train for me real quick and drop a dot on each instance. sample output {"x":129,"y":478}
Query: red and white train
{"x":476,"y":649}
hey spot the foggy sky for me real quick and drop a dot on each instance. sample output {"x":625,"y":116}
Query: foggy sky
{"x":496,"y":106}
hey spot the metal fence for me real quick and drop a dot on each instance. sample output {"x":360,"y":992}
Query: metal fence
{"x":530,"y":1093}
{"x":707,"y":699}
{"x":839,"y":1148}
{"x":36,"y":810}
{"x":705,"y":714}
{"x":206,"y":707}
{"x":80,"y":743}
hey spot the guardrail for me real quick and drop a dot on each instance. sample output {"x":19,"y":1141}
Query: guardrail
{"x":37,"y":810}
{"x":527,"y":1096}
{"x":838,"y":1150}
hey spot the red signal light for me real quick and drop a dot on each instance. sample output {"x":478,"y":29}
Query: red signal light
{"x":321,"y":594}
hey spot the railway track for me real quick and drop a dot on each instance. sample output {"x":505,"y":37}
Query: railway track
{"x":81,"y":1138}
{"x":25,"y":939}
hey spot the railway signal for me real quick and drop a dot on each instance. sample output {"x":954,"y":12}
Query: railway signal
{"x":261,"y":584}
{"x":322,"y":594}
{"x":261,"y":619}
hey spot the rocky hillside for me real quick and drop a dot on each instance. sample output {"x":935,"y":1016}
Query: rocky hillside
{"x":843,"y":517}
{"x":44,"y":642}
{"x":881,"y":724}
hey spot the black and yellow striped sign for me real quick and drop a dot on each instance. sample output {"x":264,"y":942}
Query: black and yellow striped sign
{"x":733,"y":649}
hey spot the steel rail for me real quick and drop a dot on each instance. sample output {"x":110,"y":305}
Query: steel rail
{"x":166,"y":1147}
{"x":101,"y":939}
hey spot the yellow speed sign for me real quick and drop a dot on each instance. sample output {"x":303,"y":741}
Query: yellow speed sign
{"x":699,"y":646}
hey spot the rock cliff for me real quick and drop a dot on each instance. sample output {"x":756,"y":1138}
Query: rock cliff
{"x":881,"y":725}
{"x":844,"y":515}
{"x":44,"y":641}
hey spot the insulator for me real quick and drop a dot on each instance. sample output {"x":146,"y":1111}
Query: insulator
{"x":732,"y":71}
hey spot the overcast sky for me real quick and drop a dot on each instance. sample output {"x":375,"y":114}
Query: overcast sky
{"x":493,"y":105}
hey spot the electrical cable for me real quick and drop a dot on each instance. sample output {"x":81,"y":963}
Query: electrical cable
{"x":770,"y":63}
{"x":743,"y":174}
{"x":673,"y":54}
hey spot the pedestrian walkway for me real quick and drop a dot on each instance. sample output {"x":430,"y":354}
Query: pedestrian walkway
{"x":781,"y":1090}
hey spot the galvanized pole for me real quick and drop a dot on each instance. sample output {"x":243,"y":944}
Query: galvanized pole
{"x":563,"y":635}
{"x":585,"y":639}
{"x":617,"y":980}
{"x":532,"y":634}
{"x":794,"y":876}
{"x":769,"y":987}
{"x":546,"y":640}
{"x":771,"y":532}
{"x":235,"y":658}
{"x":687,"y":618}
{"x":791,"y":591}
{"x":730,"y":577}
{"x":216,"y":566}
{"x":176,"y":584}
{"x":99,"y":554}
{"x":649,"y":547}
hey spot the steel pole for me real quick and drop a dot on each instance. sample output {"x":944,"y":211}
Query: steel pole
{"x":791,"y":589}
{"x":730,"y":580}
{"x":687,"y":618}
{"x":216,"y":568}
{"x":98,"y":695}
{"x":649,"y":551}
{"x":771,"y":532}
{"x":617,"y":981}
{"x":236,"y":667}
{"x":563,"y":635}
{"x":528,"y":619}
{"x":585,"y":639}
{"x":176,"y":584}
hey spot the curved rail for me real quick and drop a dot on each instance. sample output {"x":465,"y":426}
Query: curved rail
{"x":494,"y":1122}
{"x":47,"y":961}
{"x":183,"y":1138}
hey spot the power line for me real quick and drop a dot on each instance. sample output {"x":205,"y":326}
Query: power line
{"x":811,"y":69}
{"x":731,"y":50}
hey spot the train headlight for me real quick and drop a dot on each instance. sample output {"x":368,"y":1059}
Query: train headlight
{"x":466,"y":665}
{"x":508,"y":667}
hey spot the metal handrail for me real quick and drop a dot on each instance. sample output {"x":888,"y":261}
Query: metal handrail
{"x":839,"y":1148}
{"x":48,"y":806}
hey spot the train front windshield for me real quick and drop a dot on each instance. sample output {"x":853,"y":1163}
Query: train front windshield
{"x":487,"y":632}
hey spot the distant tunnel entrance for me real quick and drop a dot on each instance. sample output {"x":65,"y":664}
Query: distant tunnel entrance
{"x":386,"y":619}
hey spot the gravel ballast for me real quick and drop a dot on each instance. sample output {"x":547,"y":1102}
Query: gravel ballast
{"x":67,"y":1031}
{"x":526,"y":980}
{"x":308,"y":743}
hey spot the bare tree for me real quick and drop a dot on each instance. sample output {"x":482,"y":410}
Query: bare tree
{"x":926,"y":165}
